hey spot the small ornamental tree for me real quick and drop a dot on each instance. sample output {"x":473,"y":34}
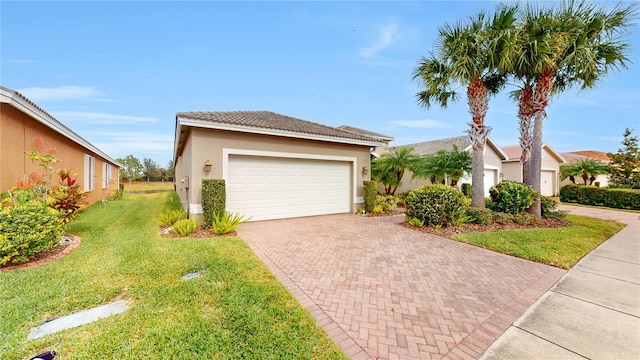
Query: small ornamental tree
{"x":624,"y":168}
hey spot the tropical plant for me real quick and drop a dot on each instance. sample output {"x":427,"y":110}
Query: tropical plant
{"x":442,"y":166}
{"x":228,"y":222}
{"x":170,"y":217}
{"x":624,"y":168}
{"x":468,"y":55}
{"x":555,"y":48}
{"x":185,"y":227}
{"x":587,"y":168}
{"x":389,"y":168}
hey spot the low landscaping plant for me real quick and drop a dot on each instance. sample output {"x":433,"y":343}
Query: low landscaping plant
{"x":511,"y":197}
{"x":609,"y":197}
{"x":481,"y":216}
{"x":436,"y":205}
{"x":26,"y":229}
{"x":170,"y":217}
{"x":228,"y":222}
{"x":370,"y":195}
{"x":185,"y":227}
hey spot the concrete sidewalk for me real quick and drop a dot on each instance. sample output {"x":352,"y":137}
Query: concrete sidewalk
{"x":593,"y":312}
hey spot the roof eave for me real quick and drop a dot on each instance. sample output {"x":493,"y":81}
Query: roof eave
{"x":14,"y":99}
{"x":182,"y":121}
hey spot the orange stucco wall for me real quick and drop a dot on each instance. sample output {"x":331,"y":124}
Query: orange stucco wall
{"x":17,"y":131}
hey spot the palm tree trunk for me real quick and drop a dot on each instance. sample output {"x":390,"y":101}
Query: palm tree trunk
{"x":478,"y":99}
{"x":540,"y":101}
{"x":525,"y":114}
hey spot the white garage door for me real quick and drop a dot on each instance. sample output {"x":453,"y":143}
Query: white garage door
{"x":490,"y":176}
{"x":546,"y":183}
{"x":276,"y":188}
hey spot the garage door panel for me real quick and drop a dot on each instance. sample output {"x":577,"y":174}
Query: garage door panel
{"x":272,"y":188}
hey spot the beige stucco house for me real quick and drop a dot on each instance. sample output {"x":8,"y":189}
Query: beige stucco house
{"x":493,"y":158}
{"x":274,"y":166}
{"x":21,"y":120}
{"x":549,"y":169}
{"x":573,"y":156}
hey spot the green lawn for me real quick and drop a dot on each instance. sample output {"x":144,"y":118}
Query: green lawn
{"x":235,"y":309}
{"x":140,"y":186}
{"x":561,"y":247}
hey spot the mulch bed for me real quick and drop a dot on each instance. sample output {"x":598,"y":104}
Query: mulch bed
{"x":199,"y":233}
{"x":466,"y":228}
{"x":46,"y":256}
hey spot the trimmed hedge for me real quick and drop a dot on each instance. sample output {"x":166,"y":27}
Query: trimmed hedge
{"x":214,"y":200}
{"x":511,"y":197}
{"x":591,"y":195}
{"x":370,"y":195}
{"x":436,"y":205}
{"x":26,"y":229}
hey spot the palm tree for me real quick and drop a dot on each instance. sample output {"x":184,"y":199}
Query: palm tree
{"x":390,"y":167}
{"x":556,"y":48}
{"x":468,"y":55}
{"x":588,"y":169}
{"x":443,"y":166}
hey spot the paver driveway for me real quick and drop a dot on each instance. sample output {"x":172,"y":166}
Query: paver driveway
{"x":384,"y":291}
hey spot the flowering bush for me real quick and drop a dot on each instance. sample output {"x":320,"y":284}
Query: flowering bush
{"x":26,"y":229}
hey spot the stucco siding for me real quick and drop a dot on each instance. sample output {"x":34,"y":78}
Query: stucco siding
{"x":16,"y":138}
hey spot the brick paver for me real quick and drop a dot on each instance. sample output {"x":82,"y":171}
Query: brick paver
{"x":384,"y":291}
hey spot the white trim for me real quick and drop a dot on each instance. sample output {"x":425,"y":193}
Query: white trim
{"x":491,"y":167}
{"x":353,"y":160}
{"x":195,"y":209}
{"x":24,"y":105}
{"x":274,"y":132}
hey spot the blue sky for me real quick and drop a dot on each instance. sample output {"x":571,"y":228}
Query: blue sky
{"x":118,"y":72}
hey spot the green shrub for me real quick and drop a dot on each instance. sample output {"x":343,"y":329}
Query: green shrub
{"x":526,"y":219}
{"x":214,"y":199}
{"x":502,"y":218}
{"x":228,"y":222}
{"x":436,"y":205}
{"x":386,"y":202}
{"x":480,"y":216}
{"x":377,"y":210}
{"x":416,"y":222}
{"x":171,"y":217}
{"x":511,"y":197}
{"x":370,"y":195}
{"x":591,"y":195}
{"x":466,"y":189}
{"x":27,"y":229}
{"x":185,"y":227}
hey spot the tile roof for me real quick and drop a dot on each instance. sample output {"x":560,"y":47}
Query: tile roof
{"x":272,"y":121}
{"x":366,"y":132}
{"x":433,"y":146}
{"x":593,"y":154}
{"x":513,"y":151}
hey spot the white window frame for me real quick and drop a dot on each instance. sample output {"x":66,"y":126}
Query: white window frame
{"x":89,"y":172}
{"x":107,"y":175}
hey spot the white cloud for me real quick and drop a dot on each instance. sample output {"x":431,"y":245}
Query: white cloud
{"x":61,"y":93}
{"x":426,"y":123}
{"x":102,"y":118}
{"x":386,"y":37}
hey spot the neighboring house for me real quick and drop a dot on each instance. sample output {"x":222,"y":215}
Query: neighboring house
{"x":549,"y":169}
{"x":21,"y":121}
{"x":274,"y":166}
{"x":385,"y":139}
{"x":493,"y":157}
{"x":573,"y":156}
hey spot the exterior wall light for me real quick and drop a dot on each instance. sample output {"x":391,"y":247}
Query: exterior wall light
{"x":365,"y":170}
{"x":207,"y":166}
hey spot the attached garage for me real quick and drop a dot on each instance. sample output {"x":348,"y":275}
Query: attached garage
{"x":267,"y":188}
{"x":274,"y":166}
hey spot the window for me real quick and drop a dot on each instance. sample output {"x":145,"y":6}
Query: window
{"x":107,"y":175}
{"x":89,"y":172}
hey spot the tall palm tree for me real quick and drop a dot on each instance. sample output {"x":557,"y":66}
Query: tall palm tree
{"x":558,"y":47}
{"x":390,"y":167}
{"x":468,"y":55}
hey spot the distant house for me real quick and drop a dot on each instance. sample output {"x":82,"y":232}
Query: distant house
{"x":573,"y":156}
{"x":274,"y":166}
{"x":493,"y":158}
{"x":21,"y":120}
{"x":549,"y":172}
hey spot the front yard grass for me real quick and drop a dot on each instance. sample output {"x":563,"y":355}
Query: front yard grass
{"x":235,"y":309}
{"x":560,"y":247}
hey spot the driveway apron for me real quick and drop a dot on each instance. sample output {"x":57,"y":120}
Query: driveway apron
{"x":383,"y":291}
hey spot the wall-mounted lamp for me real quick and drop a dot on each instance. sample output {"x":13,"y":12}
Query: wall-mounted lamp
{"x":207,"y":166}
{"x":365,"y":170}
